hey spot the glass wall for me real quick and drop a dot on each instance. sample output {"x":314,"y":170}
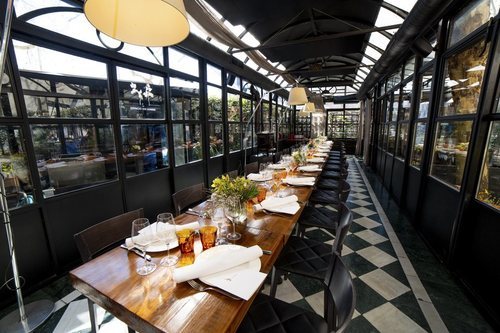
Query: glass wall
{"x":420,"y":125}
{"x":343,"y":123}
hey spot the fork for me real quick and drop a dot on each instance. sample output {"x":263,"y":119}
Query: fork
{"x":200,"y":287}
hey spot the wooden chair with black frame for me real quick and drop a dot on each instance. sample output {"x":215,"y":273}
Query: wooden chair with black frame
{"x":188,"y":196}
{"x":100,"y":238}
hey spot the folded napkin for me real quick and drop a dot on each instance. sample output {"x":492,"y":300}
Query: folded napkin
{"x":130,"y":245}
{"x":240,"y":282}
{"x":309,"y":168}
{"x":315,"y":160}
{"x":286,"y":205}
{"x":300,"y":181}
{"x":277,"y":166}
{"x":324,"y":150}
{"x":320,"y":154}
{"x":217,"y":264}
{"x":257,"y":177}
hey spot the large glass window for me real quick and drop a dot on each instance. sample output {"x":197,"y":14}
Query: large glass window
{"x":489,"y":183}
{"x":214,"y":103}
{"x":184,"y":99}
{"x":182,"y":62}
{"x":343,"y":123}
{"x":234,"y":136}
{"x":420,"y":126}
{"x":214,"y":75}
{"x":418,"y":144}
{"x":14,"y":164}
{"x":216,"y":134}
{"x":7,"y":102}
{"x":472,"y":17}
{"x":215,"y":125}
{"x":233,"y":107}
{"x":187,"y":143}
{"x":391,"y":138}
{"x":402,"y":140}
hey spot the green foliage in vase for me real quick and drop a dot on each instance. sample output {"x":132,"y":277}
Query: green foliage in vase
{"x":240,"y":187}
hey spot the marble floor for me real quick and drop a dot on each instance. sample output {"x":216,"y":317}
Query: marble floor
{"x":400,"y":286}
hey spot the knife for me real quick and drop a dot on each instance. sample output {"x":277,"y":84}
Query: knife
{"x":136,"y":251}
{"x":191,"y":211}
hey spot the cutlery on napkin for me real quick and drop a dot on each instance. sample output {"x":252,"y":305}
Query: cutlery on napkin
{"x":193,"y":225}
{"x":286,"y":205}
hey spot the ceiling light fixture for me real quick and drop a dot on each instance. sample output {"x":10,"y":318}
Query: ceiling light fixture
{"x":144,"y":23}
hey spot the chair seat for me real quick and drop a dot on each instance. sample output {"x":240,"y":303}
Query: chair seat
{"x":332,"y":175}
{"x":270,"y":315}
{"x":332,"y":167}
{"x":307,"y":257}
{"x":320,"y":217}
{"x":324,"y":197}
{"x":328,"y":184}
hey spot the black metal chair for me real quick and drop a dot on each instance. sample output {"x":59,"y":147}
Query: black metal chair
{"x":309,"y":257}
{"x":268,"y":314}
{"x":331,"y":197}
{"x":252,"y":168}
{"x":101,"y":237}
{"x":320,"y":217}
{"x":188,"y":196}
{"x":334,"y":174}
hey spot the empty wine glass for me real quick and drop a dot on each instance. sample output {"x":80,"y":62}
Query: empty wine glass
{"x":142,"y":236}
{"x":233,"y":211}
{"x":165,"y":231}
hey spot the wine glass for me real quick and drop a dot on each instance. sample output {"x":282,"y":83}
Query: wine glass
{"x":165,"y":231}
{"x":233,"y":211}
{"x":142,"y":236}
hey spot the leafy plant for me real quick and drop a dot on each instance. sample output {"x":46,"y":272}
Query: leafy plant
{"x":240,"y":187}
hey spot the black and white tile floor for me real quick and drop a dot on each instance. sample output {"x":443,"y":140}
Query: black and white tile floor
{"x":390,"y":295}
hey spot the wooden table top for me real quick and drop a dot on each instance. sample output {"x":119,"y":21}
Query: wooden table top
{"x":153,"y":303}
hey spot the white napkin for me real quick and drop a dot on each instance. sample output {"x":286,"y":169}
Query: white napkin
{"x":242,"y":282}
{"x":217,"y":264}
{"x":193,"y":225}
{"x":257,"y":177}
{"x":300,"y":181}
{"x":324,"y":150}
{"x":315,"y":160}
{"x":286,"y":205}
{"x":277,"y":166}
{"x":320,"y":154}
{"x":310,"y":168}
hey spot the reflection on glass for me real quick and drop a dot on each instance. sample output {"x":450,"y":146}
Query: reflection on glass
{"x":216,"y":134}
{"x":246,"y":87}
{"x":233,"y":81}
{"x":144,"y":148}
{"x":472,"y":17}
{"x":246,"y":109}
{"x":418,"y":144}
{"x":387,"y":105}
{"x":425,"y":94}
{"x":489,"y":183}
{"x":464,"y":76}
{"x":187,"y":143}
{"x":234,"y":137}
{"x":214,"y":75}
{"x":141,"y":95}
{"x":7,"y":102}
{"x":18,"y":185}
{"x":214,"y":103}
{"x":73,"y":156}
{"x":182,"y":62}
{"x":395,"y":106}
{"x":402,"y":140}
{"x":406,"y":101}
{"x":233,"y":107}
{"x":450,"y":151}
{"x":184,"y":99}
{"x":391,"y":138}
{"x":409,"y":67}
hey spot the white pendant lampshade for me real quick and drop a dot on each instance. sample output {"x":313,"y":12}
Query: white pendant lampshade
{"x":309,"y":107}
{"x":297,"y":96}
{"x":144,"y":23}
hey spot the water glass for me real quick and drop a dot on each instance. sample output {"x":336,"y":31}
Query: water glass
{"x":142,"y":236}
{"x":165,"y":231}
{"x":233,"y":212}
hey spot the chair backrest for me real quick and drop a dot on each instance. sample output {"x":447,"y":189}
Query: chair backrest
{"x":100,"y":237}
{"x":345,"y":189}
{"x":232,"y":174}
{"x":252,"y":168}
{"x":340,"y":296}
{"x":188,"y":196}
{"x":277,"y":157}
{"x":343,"y":226}
{"x":265,"y":159}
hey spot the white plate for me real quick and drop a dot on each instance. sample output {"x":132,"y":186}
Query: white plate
{"x":309,"y":168}
{"x":220,"y":250}
{"x":261,"y":179}
{"x":277,"y":166}
{"x":160,"y":246}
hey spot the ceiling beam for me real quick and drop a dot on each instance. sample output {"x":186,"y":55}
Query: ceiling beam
{"x":334,"y":70}
{"x":318,"y":38}
{"x":327,"y":83}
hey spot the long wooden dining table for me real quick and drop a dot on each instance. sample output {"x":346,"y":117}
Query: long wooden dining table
{"x":154,"y":303}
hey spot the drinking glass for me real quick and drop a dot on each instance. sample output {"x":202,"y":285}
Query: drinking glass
{"x":233,"y":211}
{"x":165,"y":231}
{"x":142,"y":236}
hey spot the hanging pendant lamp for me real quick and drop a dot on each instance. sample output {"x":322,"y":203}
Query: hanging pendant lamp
{"x":143,"y":23}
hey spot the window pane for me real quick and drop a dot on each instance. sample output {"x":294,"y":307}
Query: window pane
{"x":425,"y":94}
{"x":489,"y":184}
{"x":247,"y":87}
{"x":464,"y":76}
{"x":418,"y":144}
{"x":246,"y":108}
{"x":395,"y":106}
{"x":75,"y":156}
{"x":402,"y":140}
{"x":471,"y":18}
{"x":187,"y":143}
{"x":7,"y":102}
{"x":18,"y":185}
{"x":234,"y":137}
{"x":184,"y":99}
{"x":214,"y":103}
{"x":145,"y":148}
{"x":216,"y":132}
{"x":406,"y":101}
{"x":141,"y":95}
{"x":214,"y":75}
{"x":409,"y":67}
{"x":391,"y":139}
{"x":182,"y":62}
{"x":450,"y":152}
{"x":233,"y":107}
{"x":233,"y":81}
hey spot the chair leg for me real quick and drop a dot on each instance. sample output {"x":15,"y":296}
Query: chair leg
{"x":274,"y":281}
{"x":92,"y":314}
{"x":130,"y":330}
